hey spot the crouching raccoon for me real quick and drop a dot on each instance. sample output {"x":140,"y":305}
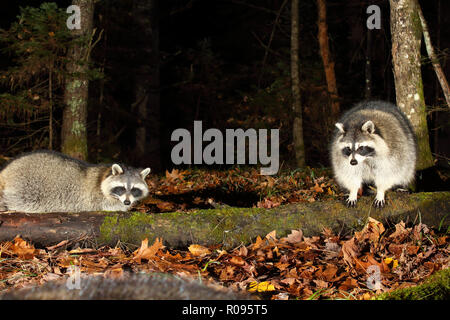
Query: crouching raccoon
{"x":133,"y":287}
{"x":47,"y":181}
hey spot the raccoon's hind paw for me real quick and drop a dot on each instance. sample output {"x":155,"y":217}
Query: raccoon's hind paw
{"x":378,"y":203}
{"x":351,"y":202}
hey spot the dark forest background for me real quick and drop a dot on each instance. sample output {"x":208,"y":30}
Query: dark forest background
{"x":227,"y":63}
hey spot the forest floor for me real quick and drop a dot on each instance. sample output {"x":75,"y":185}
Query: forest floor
{"x":361,"y":265}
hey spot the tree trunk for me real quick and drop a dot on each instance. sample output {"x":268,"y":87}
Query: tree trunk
{"x":73,"y":131}
{"x":299,"y":146}
{"x":406,"y":34}
{"x":226,"y":226}
{"x":328,"y":63}
{"x":146,"y":71}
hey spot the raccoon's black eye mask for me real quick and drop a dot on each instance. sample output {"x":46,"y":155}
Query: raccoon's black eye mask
{"x":346,"y":151}
{"x":135,"y":192}
{"x":118,"y":190}
{"x":365,"y":151}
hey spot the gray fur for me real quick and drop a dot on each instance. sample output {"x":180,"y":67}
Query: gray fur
{"x":45,"y":181}
{"x":135,"y":287}
{"x":382,"y":126}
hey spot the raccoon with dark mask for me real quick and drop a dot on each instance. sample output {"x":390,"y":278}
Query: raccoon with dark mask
{"x":373,"y":143}
{"x":47,"y":181}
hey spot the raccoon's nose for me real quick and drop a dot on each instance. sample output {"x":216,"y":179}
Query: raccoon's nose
{"x":353,"y":162}
{"x":127,"y":202}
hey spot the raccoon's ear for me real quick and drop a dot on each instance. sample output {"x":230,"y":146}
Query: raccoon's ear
{"x":145,"y":173}
{"x":368,"y":127}
{"x":340,"y":127}
{"x":116,"y":169}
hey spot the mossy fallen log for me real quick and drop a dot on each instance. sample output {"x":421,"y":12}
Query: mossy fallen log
{"x":227,"y":226}
{"x":436,"y":287}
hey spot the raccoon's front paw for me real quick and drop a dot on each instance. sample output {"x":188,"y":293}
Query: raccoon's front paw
{"x":351,"y":202}
{"x":378,"y":203}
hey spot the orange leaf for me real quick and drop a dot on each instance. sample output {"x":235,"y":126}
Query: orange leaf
{"x":272,"y":235}
{"x":237,"y":261}
{"x":259,"y":242}
{"x":145,"y":252}
{"x":316,"y":188}
{"x":23,"y":249}
{"x":198,"y":250}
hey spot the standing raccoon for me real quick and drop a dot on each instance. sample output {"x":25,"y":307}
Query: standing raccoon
{"x":46,"y":181}
{"x":374,"y":143}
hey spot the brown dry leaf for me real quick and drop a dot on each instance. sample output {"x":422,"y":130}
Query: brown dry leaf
{"x":396,"y":249}
{"x":227,"y":273}
{"x":115,"y":272}
{"x":243,"y":251}
{"x":431,"y":266}
{"x":145,"y":252}
{"x":270,"y":181}
{"x":237,"y":260}
{"x":280,"y":296}
{"x":117,"y":253}
{"x":412,"y":250}
{"x":93,"y":265}
{"x":289,"y":281}
{"x":258,"y":243}
{"x":350,"y":251}
{"x":321,"y":284}
{"x":281,"y":266}
{"x":165,"y":206}
{"x":330,"y":272}
{"x":372,"y":231}
{"x":316,"y":188}
{"x":175,"y":174}
{"x":441,"y":240}
{"x":332,"y":250}
{"x":198,"y":250}
{"x":23,"y":249}
{"x":268,"y":203}
{"x":348,"y":284}
{"x":400,"y":233}
{"x":295,"y":236}
{"x":272,"y":235}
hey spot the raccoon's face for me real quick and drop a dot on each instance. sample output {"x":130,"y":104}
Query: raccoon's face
{"x":359,"y":145}
{"x":128,"y":186}
{"x":357,"y":152}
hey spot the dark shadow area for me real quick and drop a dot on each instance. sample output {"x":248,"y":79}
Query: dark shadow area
{"x":219,"y":195}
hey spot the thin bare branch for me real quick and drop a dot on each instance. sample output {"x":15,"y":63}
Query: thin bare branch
{"x":433,"y":58}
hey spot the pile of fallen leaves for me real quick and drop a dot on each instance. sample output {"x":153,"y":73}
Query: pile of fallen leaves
{"x":372,"y":261}
{"x":180,"y":190}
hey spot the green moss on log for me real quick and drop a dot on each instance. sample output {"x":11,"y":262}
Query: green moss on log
{"x":233,"y":226}
{"x":436,"y":287}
